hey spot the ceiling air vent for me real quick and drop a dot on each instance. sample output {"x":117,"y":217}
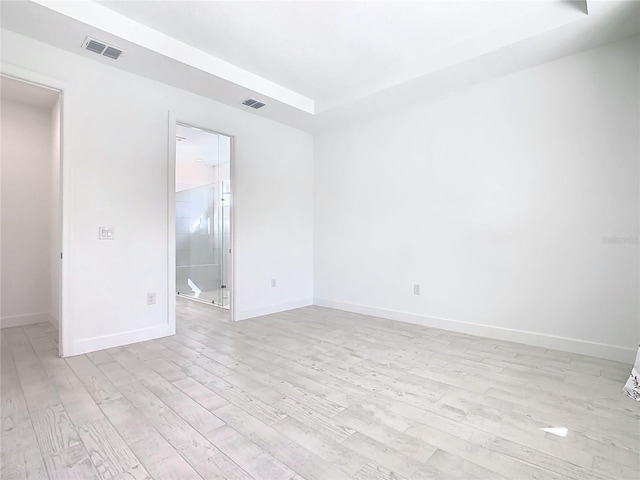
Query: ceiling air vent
{"x":102,"y":48}
{"x":94,"y":46}
{"x":253,"y":103}
{"x":112,"y":52}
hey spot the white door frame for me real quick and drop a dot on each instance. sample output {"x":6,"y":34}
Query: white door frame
{"x":28,"y":76}
{"x":174,"y":120}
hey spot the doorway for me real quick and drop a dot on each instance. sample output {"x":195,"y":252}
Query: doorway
{"x":203,"y":215}
{"x":31,"y":218}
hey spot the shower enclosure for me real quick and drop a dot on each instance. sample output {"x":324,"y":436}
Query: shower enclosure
{"x":203,"y":221}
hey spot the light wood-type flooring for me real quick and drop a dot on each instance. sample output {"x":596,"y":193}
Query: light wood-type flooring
{"x":313,"y":393}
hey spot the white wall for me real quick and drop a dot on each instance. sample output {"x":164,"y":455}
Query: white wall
{"x":26,"y":172}
{"x":115,"y":160}
{"x":55,"y":217}
{"x":192,"y":174}
{"x":495,"y":199}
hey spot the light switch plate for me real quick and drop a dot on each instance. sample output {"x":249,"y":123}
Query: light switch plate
{"x":105,"y":233}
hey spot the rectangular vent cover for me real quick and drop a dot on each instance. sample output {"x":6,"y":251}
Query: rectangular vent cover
{"x":102,"y":48}
{"x":95,"y":47}
{"x":112,"y":52}
{"x":253,"y":103}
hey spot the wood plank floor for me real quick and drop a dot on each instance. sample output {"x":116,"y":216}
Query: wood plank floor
{"x":311,"y":394}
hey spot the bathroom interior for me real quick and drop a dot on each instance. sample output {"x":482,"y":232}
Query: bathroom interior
{"x":203,"y":216}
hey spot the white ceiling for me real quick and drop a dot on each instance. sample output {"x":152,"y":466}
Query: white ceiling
{"x":320,"y":48}
{"x":317,"y":63}
{"x":197,"y":144}
{"x":27,"y":93}
{"x":200,"y":157}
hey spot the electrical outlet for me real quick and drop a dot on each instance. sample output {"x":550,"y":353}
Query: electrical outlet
{"x":416,"y":289}
{"x":151,"y":298}
{"x":273,"y":283}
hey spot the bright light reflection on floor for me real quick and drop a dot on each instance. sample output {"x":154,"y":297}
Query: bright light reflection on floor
{"x":193,"y":287}
{"x":559,"y":431}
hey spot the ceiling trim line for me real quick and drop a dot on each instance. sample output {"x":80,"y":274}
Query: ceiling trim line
{"x":97,"y":16}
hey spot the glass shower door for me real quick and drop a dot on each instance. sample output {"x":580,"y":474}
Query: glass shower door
{"x":197,"y":269}
{"x":224,"y":215}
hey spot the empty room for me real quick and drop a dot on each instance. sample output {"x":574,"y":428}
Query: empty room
{"x":320,"y":240}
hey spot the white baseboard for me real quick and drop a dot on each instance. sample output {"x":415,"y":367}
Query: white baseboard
{"x":54,"y":321}
{"x":86,"y":345}
{"x":573,"y":345}
{"x":268,"y":310}
{"x":21,"y":320}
